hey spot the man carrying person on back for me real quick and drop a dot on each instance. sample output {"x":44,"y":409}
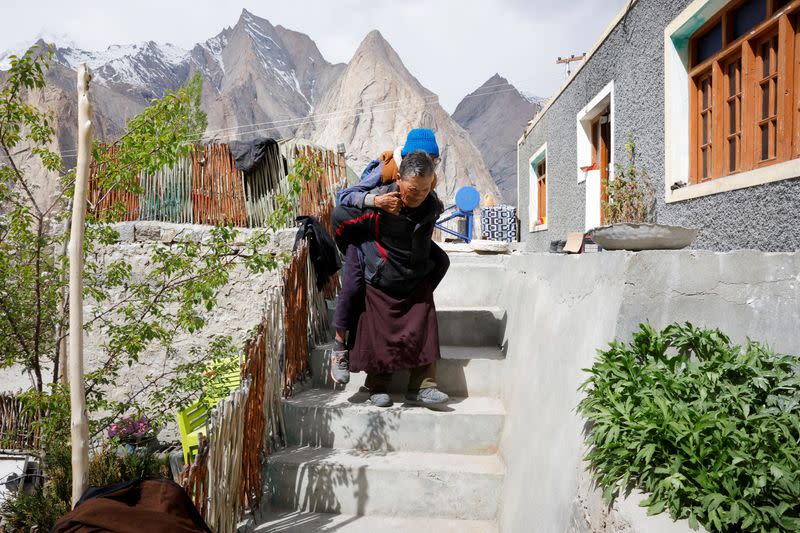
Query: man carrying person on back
{"x":395,"y":325}
{"x":379,"y":172}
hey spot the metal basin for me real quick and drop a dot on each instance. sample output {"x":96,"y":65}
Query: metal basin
{"x":645,"y":236}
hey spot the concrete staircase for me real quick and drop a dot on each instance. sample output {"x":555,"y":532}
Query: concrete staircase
{"x":353,"y":467}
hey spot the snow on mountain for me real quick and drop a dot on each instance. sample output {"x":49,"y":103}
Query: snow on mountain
{"x":147,"y":64}
{"x":21,"y":47}
{"x":541,"y":101}
{"x":265,"y":80}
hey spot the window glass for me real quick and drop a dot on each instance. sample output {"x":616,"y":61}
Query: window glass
{"x":734,"y":114}
{"x":768,"y":86}
{"x":748,"y":16}
{"x":709,"y":44}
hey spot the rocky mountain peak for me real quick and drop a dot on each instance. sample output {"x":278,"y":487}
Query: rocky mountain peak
{"x":497,"y":78}
{"x":495,"y":114}
{"x":374,"y":104}
{"x":375,"y":49}
{"x":265,"y":80}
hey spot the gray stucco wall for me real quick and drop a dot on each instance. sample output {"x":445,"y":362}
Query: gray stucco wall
{"x":761,"y":217}
{"x":559,"y":311}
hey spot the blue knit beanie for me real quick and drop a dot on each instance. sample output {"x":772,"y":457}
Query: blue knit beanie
{"x":421,"y":139}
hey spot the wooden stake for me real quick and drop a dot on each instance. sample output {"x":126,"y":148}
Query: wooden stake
{"x":77,"y":395}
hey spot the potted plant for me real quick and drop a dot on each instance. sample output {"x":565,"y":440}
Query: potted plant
{"x":628,"y":213}
{"x":133,"y":433}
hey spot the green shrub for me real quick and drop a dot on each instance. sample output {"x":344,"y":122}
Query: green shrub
{"x":45,"y":504}
{"x":710,"y":430}
{"x":42,"y":508}
{"x":48,"y":503}
{"x":110,"y":465}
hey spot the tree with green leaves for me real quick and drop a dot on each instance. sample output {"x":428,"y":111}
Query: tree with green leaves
{"x":131,"y":313}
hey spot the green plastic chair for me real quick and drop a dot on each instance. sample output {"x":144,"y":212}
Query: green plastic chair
{"x":192,"y":421}
{"x":222,"y":383}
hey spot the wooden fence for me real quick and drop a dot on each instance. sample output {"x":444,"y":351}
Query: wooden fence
{"x":18,"y":430}
{"x":248,"y":426}
{"x":206,"y":187}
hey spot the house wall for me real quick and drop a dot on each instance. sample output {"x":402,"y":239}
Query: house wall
{"x":632,"y":56}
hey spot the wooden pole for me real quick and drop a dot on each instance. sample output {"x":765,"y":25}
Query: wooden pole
{"x":77,"y":395}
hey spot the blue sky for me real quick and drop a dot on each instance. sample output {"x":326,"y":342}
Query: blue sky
{"x":451,"y":46}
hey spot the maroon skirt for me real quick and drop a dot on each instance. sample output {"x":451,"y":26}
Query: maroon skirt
{"x":396,"y":333}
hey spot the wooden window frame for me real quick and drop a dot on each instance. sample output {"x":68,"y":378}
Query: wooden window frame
{"x":733,"y":96}
{"x":536,"y":183}
{"x":782,"y":22}
{"x":541,"y":191}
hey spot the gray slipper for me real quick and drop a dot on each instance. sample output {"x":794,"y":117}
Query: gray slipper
{"x":380,"y":399}
{"x":428,"y":396}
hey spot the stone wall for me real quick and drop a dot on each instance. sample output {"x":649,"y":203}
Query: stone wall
{"x":240,"y":304}
{"x":632,"y":56}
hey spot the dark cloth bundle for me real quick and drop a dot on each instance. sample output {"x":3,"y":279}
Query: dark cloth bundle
{"x":248,"y":154}
{"x":321,"y":248}
{"x":152,"y":505}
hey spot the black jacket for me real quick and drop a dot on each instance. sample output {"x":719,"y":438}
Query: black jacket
{"x":396,"y":248}
{"x":321,"y":249}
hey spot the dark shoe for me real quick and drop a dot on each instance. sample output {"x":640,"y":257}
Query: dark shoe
{"x":428,"y":396}
{"x":340,"y":366}
{"x":380,"y":399}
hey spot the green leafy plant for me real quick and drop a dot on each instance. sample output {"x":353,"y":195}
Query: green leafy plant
{"x":48,"y":502}
{"x":133,"y":313}
{"x":40,"y":507}
{"x":631,"y":195}
{"x":709,"y":429}
{"x":111,"y":464}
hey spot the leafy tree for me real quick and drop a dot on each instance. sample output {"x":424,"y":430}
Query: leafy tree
{"x":133,"y":313}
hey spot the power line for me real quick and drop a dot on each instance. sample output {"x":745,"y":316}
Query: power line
{"x":326,"y":117}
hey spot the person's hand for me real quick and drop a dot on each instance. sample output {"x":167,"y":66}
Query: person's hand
{"x":389,"y":202}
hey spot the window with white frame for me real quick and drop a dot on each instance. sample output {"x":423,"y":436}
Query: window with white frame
{"x":732,"y":96}
{"x":538,"y":190}
{"x":595,"y":138}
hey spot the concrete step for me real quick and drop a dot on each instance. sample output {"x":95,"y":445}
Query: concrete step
{"x":470,"y":284}
{"x":471,"y":326}
{"x":405,"y":484}
{"x":343,"y":419}
{"x":463,"y":371}
{"x":278,"y":521}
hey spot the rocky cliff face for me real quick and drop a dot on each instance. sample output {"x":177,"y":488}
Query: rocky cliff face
{"x":261,"y":80}
{"x":264,"y":80}
{"x":495,"y":116}
{"x":374,"y":104}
